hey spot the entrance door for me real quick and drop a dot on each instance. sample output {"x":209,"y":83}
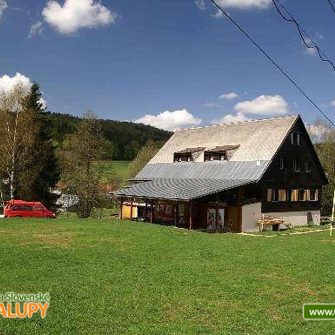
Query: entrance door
{"x":215,"y":223}
{"x":233,"y":215}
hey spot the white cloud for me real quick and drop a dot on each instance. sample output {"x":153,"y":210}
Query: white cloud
{"x":201,"y":4}
{"x":311,"y":51}
{"x":318,"y":131}
{"x":218,"y":15}
{"x":3,"y":6}
{"x":170,"y":120}
{"x":332,"y":103}
{"x":211,"y":104}
{"x":228,"y":96}
{"x":77,"y":14}
{"x":36,"y":29}
{"x":270,"y":105}
{"x":43,"y":103}
{"x":8,"y":83}
{"x":244,"y":4}
{"x":231,"y":118}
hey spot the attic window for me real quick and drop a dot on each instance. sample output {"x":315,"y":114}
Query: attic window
{"x":188,"y":154}
{"x":215,"y":156}
{"x":220,"y":153}
{"x":296,"y":138}
{"x":182,"y":158}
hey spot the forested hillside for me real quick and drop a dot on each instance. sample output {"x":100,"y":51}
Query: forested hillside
{"x":126,"y":138}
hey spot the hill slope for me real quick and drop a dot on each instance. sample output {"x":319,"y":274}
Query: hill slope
{"x":127,"y":137}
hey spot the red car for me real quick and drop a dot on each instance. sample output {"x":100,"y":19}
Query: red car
{"x":25,"y":209}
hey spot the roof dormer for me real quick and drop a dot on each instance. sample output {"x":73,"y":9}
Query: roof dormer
{"x":220,"y":153}
{"x":188,"y":154}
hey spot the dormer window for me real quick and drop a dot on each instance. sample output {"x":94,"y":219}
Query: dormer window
{"x":215,"y":157}
{"x":220,"y":153}
{"x":187,"y":155}
{"x":182,"y":158}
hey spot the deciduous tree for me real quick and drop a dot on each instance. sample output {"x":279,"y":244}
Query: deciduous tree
{"x":86,"y":147}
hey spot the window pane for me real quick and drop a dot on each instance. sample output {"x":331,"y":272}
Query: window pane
{"x":282,"y":195}
{"x":302,"y":195}
{"x":275,"y":196}
{"x":296,"y":165}
{"x":294,"y":195}
{"x":308,"y":166}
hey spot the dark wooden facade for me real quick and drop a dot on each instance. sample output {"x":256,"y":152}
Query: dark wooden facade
{"x":277,"y":177}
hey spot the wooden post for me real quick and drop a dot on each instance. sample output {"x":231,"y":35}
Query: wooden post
{"x":121,"y":208}
{"x":176,"y":214}
{"x":190,"y":207}
{"x":333,"y":211}
{"x":239,"y":206}
{"x":146,"y":210}
{"x":131,"y":209}
{"x":151,"y":211}
{"x":217,"y":211}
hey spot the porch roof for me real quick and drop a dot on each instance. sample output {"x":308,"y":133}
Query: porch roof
{"x":179,"y":189}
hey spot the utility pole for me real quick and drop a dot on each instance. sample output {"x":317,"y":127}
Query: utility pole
{"x":333,"y":211}
{"x":333,"y":216}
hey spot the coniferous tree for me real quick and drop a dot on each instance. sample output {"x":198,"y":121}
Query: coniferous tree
{"x":28,"y":165}
{"x":47,"y":162}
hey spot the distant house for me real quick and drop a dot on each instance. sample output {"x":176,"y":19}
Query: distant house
{"x":226,"y":177}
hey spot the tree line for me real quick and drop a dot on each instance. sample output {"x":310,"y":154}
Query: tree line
{"x":40,"y":150}
{"x":124,"y":139}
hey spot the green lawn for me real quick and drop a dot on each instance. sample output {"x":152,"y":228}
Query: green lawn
{"x":111,"y":277}
{"x":109,"y":169}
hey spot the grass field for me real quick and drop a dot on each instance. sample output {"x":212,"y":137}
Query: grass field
{"x":111,"y":277}
{"x":109,"y":169}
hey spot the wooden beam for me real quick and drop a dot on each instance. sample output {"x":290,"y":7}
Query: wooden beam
{"x":151,"y":211}
{"x":190,"y":208}
{"x":146,"y":210}
{"x":239,"y":206}
{"x":176,"y":214}
{"x":217,"y":211}
{"x":121,"y":208}
{"x":131,"y":209}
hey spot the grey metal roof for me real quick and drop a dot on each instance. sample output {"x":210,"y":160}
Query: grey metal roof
{"x":224,"y":170}
{"x":179,"y":189}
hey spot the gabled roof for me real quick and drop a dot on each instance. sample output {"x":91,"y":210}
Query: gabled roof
{"x":256,"y":143}
{"x":257,"y":140}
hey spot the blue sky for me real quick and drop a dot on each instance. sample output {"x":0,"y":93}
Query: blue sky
{"x":168,"y":62}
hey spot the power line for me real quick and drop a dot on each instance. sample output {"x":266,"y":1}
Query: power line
{"x":246,"y":34}
{"x":306,"y":39}
{"x":332,"y":6}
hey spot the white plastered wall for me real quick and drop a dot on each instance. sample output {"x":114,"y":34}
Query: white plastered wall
{"x":251,"y":213}
{"x":297,"y":218}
